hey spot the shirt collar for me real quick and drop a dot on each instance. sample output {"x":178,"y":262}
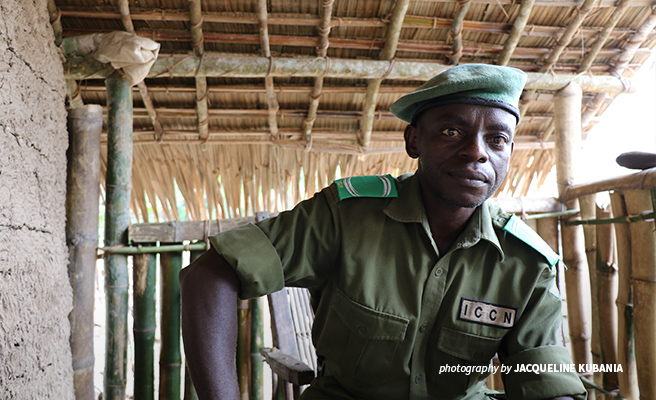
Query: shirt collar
{"x":409,"y":207}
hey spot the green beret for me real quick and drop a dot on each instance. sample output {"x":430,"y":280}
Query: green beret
{"x":478,"y":84}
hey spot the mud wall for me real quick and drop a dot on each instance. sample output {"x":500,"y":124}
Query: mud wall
{"x":35,"y":294}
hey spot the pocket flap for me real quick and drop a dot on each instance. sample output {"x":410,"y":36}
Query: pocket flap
{"x":466,"y":345}
{"x":368,"y":323}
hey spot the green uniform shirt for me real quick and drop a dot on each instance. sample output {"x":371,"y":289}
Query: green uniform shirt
{"x":393,"y":316}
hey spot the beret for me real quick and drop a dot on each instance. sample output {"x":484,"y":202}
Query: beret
{"x":478,"y":84}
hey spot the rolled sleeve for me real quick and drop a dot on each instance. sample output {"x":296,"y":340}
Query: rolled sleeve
{"x":546,"y":374}
{"x":250,"y":253}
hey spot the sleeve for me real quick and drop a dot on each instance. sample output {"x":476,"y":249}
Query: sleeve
{"x":532,"y":345}
{"x":297,"y":248}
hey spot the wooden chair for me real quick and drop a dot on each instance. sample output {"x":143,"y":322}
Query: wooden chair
{"x":293,"y":359}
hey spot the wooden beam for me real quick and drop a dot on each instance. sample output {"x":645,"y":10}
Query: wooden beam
{"x":516,"y":32}
{"x":258,"y":67}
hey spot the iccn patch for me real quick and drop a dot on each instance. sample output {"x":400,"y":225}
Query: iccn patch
{"x":485,"y":313}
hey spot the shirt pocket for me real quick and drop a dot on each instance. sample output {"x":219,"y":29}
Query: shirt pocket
{"x":363,"y":340}
{"x":461,"y":359}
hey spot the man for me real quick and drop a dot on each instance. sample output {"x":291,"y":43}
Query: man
{"x":417,"y":282}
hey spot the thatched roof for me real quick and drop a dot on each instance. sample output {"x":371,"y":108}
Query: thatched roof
{"x":299,"y":91}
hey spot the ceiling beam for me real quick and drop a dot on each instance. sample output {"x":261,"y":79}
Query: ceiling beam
{"x":259,"y":67}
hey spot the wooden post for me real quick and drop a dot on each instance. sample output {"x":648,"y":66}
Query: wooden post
{"x":567,"y":116}
{"x":170,"y":360}
{"x":643,"y":284}
{"x":244,"y":347}
{"x":628,"y":379}
{"x":145,"y":323}
{"x":82,"y":193}
{"x":117,"y":219}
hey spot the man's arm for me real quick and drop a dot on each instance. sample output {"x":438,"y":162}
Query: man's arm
{"x":209,"y":290}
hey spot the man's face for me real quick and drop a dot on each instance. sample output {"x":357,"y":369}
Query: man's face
{"x":463,"y":152}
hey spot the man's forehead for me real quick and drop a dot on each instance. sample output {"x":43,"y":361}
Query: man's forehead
{"x":465,"y":113}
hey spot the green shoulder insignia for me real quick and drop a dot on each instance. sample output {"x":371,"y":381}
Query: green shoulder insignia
{"x":367,"y":186}
{"x":516,"y":227}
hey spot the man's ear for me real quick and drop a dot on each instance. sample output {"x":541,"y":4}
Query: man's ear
{"x":410,"y":136}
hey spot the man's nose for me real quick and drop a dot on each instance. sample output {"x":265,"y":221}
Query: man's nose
{"x":474,"y":148}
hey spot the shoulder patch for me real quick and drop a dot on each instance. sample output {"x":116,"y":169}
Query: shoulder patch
{"x":516,"y":227}
{"x":367,"y":186}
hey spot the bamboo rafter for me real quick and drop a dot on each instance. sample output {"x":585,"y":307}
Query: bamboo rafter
{"x":272,"y":101}
{"x":387,"y":54}
{"x":196,"y":26}
{"x":124,"y":10}
{"x":621,"y":64}
{"x":456,"y":30}
{"x":516,"y":32}
{"x":410,"y":21}
{"x":322,"y":51}
{"x":483,"y":49}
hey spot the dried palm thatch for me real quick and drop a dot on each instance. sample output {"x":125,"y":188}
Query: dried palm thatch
{"x":254,"y":105}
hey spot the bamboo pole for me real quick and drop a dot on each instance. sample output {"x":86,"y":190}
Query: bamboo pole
{"x":215,"y":65}
{"x":606,"y":284}
{"x":516,"y":32}
{"x":117,"y":219}
{"x":588,"y":211}
{"x":643,"y":284}
{"x":170,"y":356}
{"x":643,"y":180}
{"x":244,"y":347}
{"x":144,"y":281}
{"x":628,"y":379}
{"x":82,"y":193}
{"x":568,"y":135}
{"x":257,"y":342}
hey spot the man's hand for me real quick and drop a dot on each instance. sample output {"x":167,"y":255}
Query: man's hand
{"x":209,"y":289}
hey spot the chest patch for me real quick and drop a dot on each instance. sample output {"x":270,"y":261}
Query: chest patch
{"x":484,"y":313}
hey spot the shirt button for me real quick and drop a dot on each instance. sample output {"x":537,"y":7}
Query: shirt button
{"x":362,"y":330}
{"x":478,"y":354}
{"x":418,"y":379}
{"x":422,"y":328}
{"x":439,"y":272}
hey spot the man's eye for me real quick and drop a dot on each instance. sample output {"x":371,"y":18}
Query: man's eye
{"x":451,"y":132}
{"x":499,"y":140}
